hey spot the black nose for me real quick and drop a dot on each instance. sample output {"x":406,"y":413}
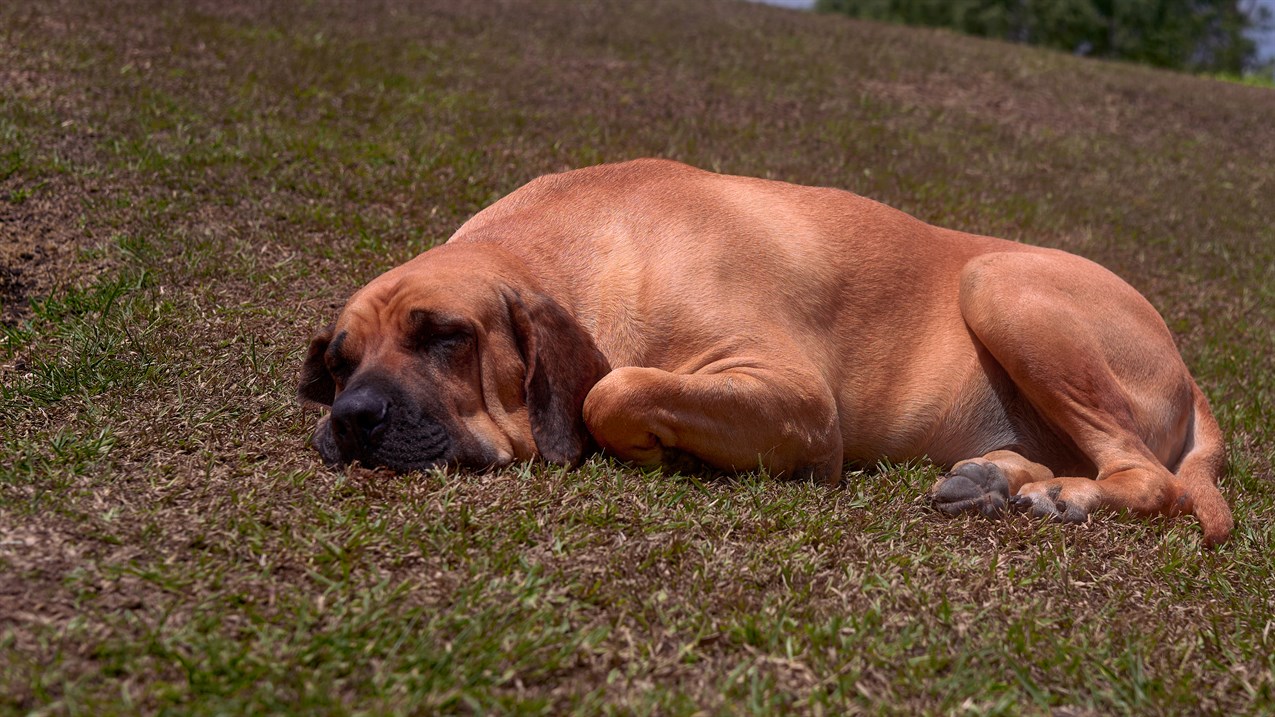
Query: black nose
{"x":359,"y":418}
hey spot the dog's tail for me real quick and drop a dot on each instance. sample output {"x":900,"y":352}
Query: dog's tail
{"x":1203,"y":462}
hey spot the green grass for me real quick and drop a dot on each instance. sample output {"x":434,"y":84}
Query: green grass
{"x":1253,"y":79}
{"x":198,"y":187}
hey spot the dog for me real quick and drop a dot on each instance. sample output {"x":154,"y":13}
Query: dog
{"x":664,"y":313}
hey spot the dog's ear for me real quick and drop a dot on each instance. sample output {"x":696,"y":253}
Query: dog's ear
{"x":562,"y":363}
{"x":317,"y":385}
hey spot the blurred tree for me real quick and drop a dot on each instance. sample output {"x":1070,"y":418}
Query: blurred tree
{"x":1198,"y":35}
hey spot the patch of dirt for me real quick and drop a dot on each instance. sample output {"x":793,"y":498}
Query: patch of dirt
{"x":44,"y":220}
{"x":42,"y":237}
{"x":35,"y":560}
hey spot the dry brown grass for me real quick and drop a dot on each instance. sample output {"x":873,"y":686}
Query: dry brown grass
{"x":208,"y":181}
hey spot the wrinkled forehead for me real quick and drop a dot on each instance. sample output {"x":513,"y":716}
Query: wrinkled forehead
{"x":395,"y":302}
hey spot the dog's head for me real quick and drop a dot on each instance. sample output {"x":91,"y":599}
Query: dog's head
{"x":457,"y":357}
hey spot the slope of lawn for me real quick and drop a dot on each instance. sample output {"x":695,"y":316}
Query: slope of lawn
{"x":189,"y":190}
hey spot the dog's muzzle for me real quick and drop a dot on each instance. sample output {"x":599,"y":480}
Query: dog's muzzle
{"x":367,"y":424}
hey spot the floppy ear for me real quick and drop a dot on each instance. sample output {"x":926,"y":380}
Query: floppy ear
{"x":316,"y":385}
{"x":562,"y":363}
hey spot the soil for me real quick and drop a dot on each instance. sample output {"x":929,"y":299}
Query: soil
{"x":42,"y":247}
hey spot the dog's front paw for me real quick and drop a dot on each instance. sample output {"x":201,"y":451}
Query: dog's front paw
{"x":972,"y":486}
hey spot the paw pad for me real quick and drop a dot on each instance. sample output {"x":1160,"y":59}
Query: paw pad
{"x":972,"y":486}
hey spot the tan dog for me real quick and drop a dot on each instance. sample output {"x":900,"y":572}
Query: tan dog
{"x":669,"y":312}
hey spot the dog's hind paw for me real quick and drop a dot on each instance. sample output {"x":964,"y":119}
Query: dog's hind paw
{"x":972,"y":486}
{"x":1044,"y":501}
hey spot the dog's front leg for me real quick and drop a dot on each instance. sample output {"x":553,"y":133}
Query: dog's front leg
{"x":737,"y":414}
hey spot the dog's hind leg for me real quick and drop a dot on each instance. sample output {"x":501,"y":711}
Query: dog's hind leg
{"x":1099,"y":366}
{"x":734,"y":414}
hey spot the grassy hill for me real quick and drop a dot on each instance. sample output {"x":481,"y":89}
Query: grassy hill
{"x":188,"y":190}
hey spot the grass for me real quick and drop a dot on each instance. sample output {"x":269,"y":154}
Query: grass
{"x":1253,"y":79}
{"x":188,"y":190}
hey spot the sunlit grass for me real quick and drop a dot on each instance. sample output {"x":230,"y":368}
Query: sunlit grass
{"x":222,"y":177}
